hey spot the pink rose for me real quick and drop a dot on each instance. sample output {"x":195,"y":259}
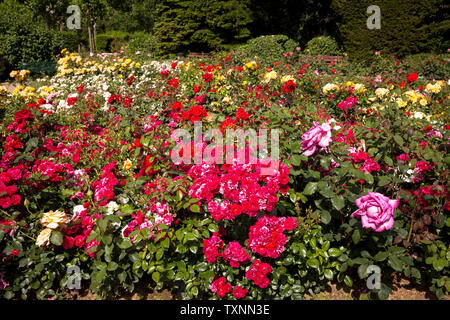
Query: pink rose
{"x":319,"y":135}
{"x":376,"y":211}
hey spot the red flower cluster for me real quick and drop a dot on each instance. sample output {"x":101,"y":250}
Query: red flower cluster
{"x":347,"y":103}
{"x":239,"y":292}
{"x":207,"y":77}
{"x":130,"y":80}
{"x":221,"y":287}
{"x":104,"y":188}
{"x":236,"y":254}
{"x":114,"y":98}
{"x":71,"y":100}
{"x":20,"y":121}
{"x":195,"y":113}
{"x":258,"y":273}
{"x":211,"y":248}
{"x":289,"y":86}
{"x":266,"y":236}
{"x":241,"y":114}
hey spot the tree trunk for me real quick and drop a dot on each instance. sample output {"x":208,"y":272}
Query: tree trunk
{"x":95,"y":35}
{"x":91,"y":38}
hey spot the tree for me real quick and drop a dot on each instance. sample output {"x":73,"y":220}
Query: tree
{"x":92,"y":10}
{"x":201,"y":25}
{"x":53,"y":12}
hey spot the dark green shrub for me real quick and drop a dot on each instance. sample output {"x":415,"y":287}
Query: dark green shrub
{"x":4,"y":68}
{"x":405,"y":27}
{"x":70,"y":40}
{"x":111,"y":40}
{"x":24,"y":40}
{"x":428,"y":65}
{"x":325,"y":46}
{"x":145,"y":42}
{"x":267,"y":48}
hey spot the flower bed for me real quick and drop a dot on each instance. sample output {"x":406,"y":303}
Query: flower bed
{"x":356,"y":180}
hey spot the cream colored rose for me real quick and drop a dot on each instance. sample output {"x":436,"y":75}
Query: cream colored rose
{"x":53,"y":219}
{"x":43,"y":238}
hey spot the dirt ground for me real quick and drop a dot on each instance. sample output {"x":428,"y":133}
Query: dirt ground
{"x":402,"y":290}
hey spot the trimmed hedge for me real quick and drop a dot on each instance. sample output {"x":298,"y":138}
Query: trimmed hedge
{"x":325,"y":46}
{"x":145,"y":42}
{"x":268,"y":48}
{"x":111,"y":41}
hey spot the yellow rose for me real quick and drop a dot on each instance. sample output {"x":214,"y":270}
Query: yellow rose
{"x":400,"y":103}
{"x":43,"y":238}
{"x":53,"y":219}
{"x":359,"y":87}
{"x":127,"y":164}
{"x":287,"y":78}
{"x":423,"y":102}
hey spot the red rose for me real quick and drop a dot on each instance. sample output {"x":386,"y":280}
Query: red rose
{"x":412,"y":77}
{"x":15,"y":199}
{"x":241,"y":114}
{"x":207,"y":77}
{"x":67,"y":243}
{"x":79,"y":241}
{"x":23,"y":114}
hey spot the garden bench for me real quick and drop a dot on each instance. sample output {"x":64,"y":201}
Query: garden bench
{"x":200,"y":55}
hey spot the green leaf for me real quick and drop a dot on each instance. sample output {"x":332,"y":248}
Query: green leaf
{"x":328,"y":274}
{"x":56,"y":238}
{"x":296,"y":160}
{"x":334,"y":252}
{"x":310,"y":188}
{"x":384,"y":180}
{"x":194,"y":208}
{"x":356,"y":236}
{"x":156,"y":276}
{"x":325,"y":217}
{"x":395,"y":263}
{"x":213,"y":228}
{"x":159,"y":253}
{"x":388,"y":161}
{"x":302,"y":250}
{"x":399,"y":140}
{"x":348,"y":281}
{"x":381,"y":256}
{"x":313,"y":263}
{"x":125,"y":244}
{"x":338,"y":202}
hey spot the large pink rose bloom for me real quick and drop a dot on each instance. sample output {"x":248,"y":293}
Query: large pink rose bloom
{"x":317,"y":136}
{"x":376,"y":211}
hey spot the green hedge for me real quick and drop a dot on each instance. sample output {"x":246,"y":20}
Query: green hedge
{"x":405,"y":27}
{"x":144,"y":42}
{"x":268,"y":48}
{"x":428,"y":65}
{"x":111,"y":41}
{"x":325,"y":46}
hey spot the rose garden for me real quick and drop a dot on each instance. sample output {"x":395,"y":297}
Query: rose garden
{"x":355,"y":179}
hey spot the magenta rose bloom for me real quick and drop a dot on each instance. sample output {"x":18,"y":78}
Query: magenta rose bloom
{"x":376,"y":211}
{"x":317,"y":136}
